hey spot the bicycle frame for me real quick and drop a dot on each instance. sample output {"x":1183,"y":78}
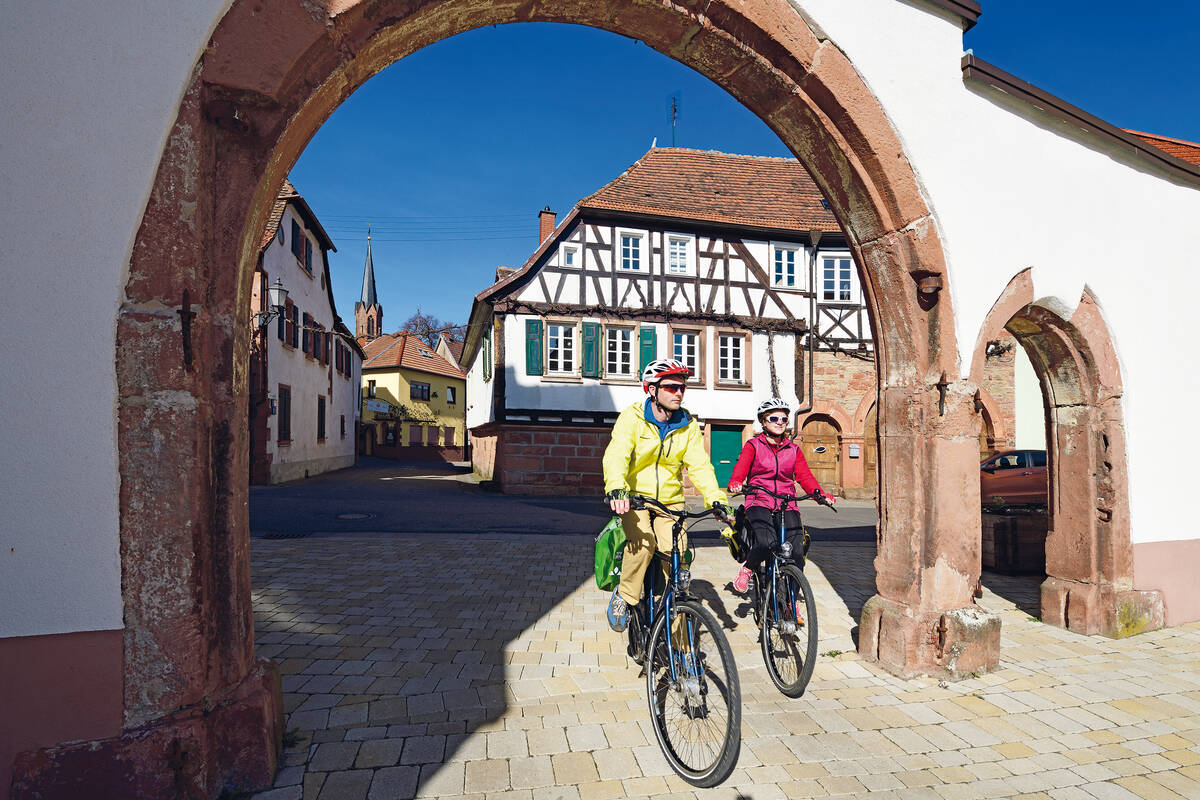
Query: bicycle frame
{"x":675,"y":588}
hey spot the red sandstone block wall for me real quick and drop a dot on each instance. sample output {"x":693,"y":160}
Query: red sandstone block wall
{"x":843,"y":379}
{"x":998,"y":377}
{"x":551,"y":461}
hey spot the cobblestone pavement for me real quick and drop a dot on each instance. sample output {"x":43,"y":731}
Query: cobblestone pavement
{"x":479,"y":665}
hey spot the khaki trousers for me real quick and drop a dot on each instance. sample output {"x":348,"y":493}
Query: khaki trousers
{"x":641,"y":542}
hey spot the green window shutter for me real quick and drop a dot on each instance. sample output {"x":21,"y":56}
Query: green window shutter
{"x":487,"y":355}
{"x":591,"y":350}
{"x":647,"y":346}
{"x":533,"y":347}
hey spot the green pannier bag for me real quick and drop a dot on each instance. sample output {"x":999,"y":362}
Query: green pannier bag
{"x":610,"y":549}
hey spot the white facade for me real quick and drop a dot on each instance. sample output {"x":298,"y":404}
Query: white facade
{"x":81,"y":125}
{"x":317,"y":392}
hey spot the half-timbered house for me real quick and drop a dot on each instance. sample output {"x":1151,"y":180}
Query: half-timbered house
{"x":715,"y":259}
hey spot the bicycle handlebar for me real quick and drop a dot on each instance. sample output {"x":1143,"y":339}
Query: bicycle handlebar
{"x":787,"y":498}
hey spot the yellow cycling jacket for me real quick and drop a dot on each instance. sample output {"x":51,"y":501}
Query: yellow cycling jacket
{"x":639,"y":461}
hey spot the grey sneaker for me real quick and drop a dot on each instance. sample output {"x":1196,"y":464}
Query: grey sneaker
{"x":618,"y":613}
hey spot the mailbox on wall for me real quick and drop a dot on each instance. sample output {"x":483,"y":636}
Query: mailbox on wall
{"x":854,"y":450}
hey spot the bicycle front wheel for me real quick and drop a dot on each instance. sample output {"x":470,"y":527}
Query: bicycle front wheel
{"x":789,"y":631}
{"x":695,"y":699}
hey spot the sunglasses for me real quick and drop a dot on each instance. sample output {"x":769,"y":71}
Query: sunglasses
{"x":777,"y":419}
{"x":673,"y":388}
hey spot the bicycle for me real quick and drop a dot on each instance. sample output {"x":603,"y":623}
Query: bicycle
{"x":780,"y":590}
{"x":691,"y":680}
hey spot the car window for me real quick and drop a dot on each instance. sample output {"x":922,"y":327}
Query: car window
{"x":1008,"y":461}
{"x":1038,"y":458}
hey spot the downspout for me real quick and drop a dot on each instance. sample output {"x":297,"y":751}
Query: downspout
{"x":814,"y":236}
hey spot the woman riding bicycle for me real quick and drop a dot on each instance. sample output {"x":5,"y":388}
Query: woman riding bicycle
{"x":770,"y":460}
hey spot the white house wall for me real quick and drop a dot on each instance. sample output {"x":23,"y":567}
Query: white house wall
{"x":706,"y":399}
{"x":305,"y":455}
{"x":479,"y":392}
{"x":84,"y":132}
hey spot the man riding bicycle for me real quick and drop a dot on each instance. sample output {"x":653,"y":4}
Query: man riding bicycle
{"x":652,"y":441}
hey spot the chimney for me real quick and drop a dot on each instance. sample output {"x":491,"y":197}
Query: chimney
{"x":545,"y":224}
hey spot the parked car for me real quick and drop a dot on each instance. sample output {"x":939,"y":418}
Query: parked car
{"x":1013,"y":478}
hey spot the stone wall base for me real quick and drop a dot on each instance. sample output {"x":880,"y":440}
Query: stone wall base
{"x":1100,"y":609}
{"x":952,"y":644}
{"x":205,"y":751}
{"x":284,"y":471}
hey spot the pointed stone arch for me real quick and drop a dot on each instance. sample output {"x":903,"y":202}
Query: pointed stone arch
{"x":271,"y":74}
{"x":1089,"y":554}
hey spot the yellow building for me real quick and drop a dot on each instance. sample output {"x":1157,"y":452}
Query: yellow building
{"x":414,"y":401}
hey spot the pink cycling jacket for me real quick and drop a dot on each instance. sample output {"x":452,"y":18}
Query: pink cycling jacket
{"x":774,"y":467}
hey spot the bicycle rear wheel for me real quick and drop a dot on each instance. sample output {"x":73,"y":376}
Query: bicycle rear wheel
{"x":697,"y":710}
{"x":789,"y":631}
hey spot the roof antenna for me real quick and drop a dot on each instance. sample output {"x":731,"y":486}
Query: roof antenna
{"x":674,"y":116}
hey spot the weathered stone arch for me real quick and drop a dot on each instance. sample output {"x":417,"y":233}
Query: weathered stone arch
{"x":830,"y":410}
{"x":1089,"y":555}
{"x":273,"y":71}
{"x":990,"y":416}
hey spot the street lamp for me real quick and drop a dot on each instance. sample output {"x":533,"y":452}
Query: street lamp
{"x":276,"y":300}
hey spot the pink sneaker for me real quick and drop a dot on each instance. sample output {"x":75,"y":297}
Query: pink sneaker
{"x":742,"y":582}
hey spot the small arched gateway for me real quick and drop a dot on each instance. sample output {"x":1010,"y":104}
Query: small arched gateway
{"x":1089,"y":554}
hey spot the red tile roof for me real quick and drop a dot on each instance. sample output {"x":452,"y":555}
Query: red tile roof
{"x":406,"y":350}
{"x":1186,"y":151}
{"x":711,"y":186}
{"x":286,"y":192}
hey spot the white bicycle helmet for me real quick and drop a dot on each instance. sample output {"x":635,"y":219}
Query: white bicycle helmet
{"x":661,"y":368}
{"x":771,"y":404}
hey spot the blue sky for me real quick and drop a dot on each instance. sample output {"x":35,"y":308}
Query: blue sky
{"x":451,"y":152}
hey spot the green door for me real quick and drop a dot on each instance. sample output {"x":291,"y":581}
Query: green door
{"x":726,"y":443}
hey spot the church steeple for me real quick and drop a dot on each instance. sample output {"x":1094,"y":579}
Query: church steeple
{"x":368,"y":314}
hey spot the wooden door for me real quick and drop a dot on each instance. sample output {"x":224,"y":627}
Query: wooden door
{"x":724,"y":446}
{"x":820,"y":445}
{"x":871,"y":452}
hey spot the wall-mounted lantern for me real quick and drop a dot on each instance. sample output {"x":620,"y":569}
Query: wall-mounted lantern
{"x":276,"y":300}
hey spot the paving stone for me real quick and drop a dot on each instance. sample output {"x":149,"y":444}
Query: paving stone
{"x":394,"y":783}
{"x":351,"y":785}
{"x":486,"y":776}
{"x":333,"y":756}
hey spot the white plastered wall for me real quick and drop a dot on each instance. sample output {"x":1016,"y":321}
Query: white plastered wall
{"x":1012,"y":188}
{"x":90,"y":91}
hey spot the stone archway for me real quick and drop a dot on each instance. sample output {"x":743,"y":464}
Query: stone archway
{"x":198,"y":708}
{"x":1089,"y":555}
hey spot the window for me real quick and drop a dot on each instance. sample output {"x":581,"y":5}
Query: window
{"x":618,"y":352}
{"x":370,"y":327}
{"x":569,"y":256}
{"x":731,"y":355}
{"x":414,"y":435}
{"x":320,"y":419}
{"x":451,"y":399}
{"x":289,"y":316}
{"x":306,"y":335}
{"x":837,"y":279}
{"x":418,"y":391}
{"x":784,"y":274}
{"x":560,"y":348}
{"x":630,"y":251}
{"x":285,"y":414}
{"x":679,"y":252}
{"x":297,"y":241}
{"x":685,"y":348}
{"x":370,"y":388}
{"x":342,"y":423}
{"x":308,"y":256}
{"x":327,"y":339}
